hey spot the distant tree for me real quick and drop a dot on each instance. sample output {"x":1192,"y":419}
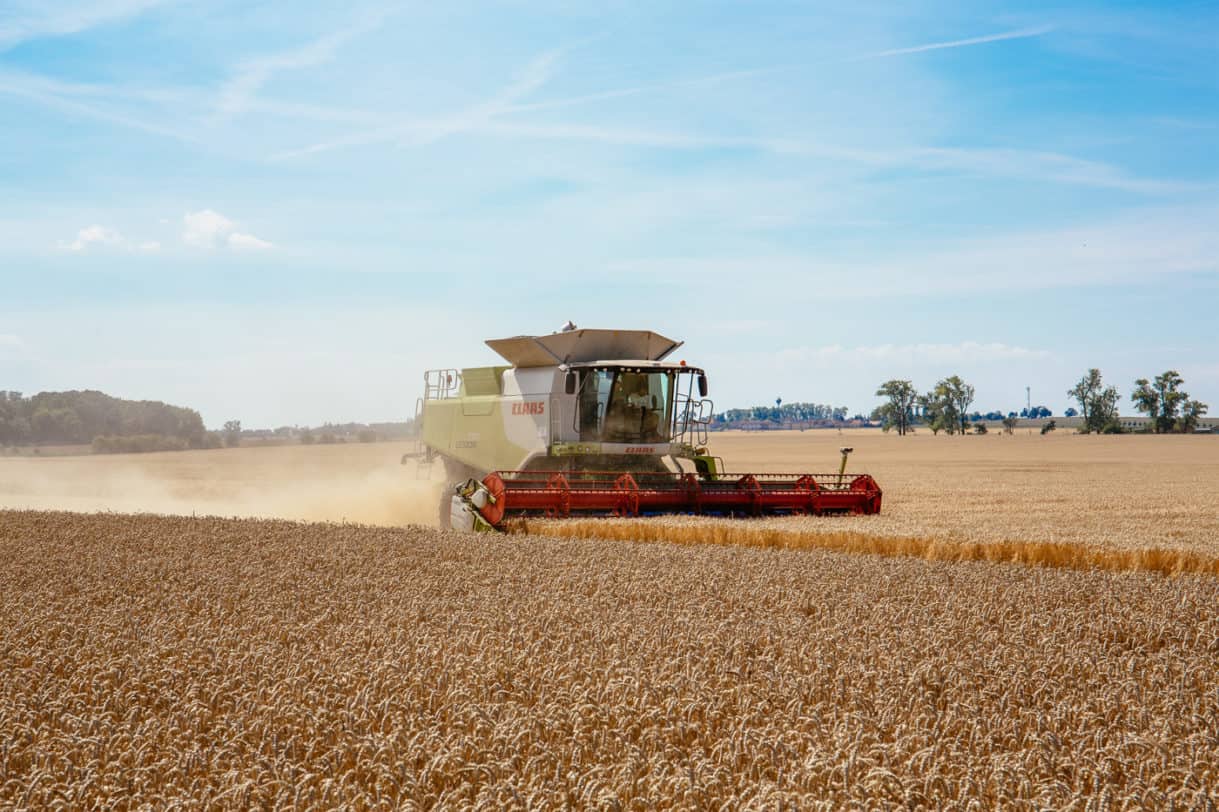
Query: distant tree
{"x":980,"y":428}
{"x":1070,"y":412}
{"x":1162,"y":400}
{"x":1009,"y":423}
{"x":307,"y":437}
{"x":43,"y":426}
{"x":1147,"y":400}
{"x":1086,"y":392}
{"x":57,"y":425}
{"x":232,"y":433}
{"x":935,"y":412}
{"x":955,"y":396}
{"x":899,"y":410}
{"x":1097,"y":403}
{"x":1191,"y":413}
{"x":367,"y":436}
{"x":1048,"y":427}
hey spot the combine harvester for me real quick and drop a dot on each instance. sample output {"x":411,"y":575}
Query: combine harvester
{"x":596,"y":422}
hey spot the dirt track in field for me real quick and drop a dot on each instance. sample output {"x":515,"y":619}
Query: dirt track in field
{"x":1130,"y":493}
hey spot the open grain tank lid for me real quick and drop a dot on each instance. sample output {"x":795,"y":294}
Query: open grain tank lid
{"x":581,"y":346}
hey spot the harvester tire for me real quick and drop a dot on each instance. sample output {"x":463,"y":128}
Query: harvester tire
{"x":455,"y":473}
{"x":444,"y":508}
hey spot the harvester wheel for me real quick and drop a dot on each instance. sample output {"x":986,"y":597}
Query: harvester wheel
{"x":445,"y":506}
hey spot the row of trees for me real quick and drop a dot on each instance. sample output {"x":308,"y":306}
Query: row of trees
{"x":944,"y":408}
{"x":785,"y":413}
{"x":1163,"y":399}
{"x":81,"y":416}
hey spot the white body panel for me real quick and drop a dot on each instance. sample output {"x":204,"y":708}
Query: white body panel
{"x":527,"y":407}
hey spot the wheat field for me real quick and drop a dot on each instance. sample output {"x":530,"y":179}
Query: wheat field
{"x":201,"y":662}
{"x":219,"y":663}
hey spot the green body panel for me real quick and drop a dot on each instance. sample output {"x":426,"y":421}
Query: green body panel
{"x":470,"y":428}
{"x":706,"y":465}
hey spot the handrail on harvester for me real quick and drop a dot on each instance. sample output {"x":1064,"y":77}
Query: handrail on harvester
{"x":614,"y":493}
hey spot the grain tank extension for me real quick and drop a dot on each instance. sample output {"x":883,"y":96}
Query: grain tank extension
{"x":597,"y":422}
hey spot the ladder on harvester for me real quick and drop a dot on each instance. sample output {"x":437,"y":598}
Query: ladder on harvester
{"x":438,"y":384}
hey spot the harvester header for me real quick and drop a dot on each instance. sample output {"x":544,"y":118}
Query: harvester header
{"x":596,"y":422}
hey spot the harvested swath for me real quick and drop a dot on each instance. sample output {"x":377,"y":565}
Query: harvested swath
{"x":226,"y":663}
{"x":790,"y":534}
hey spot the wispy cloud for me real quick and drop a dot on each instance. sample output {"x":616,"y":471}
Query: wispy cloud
{"x":605,"y":95}
{"x":1022,"y":33}
{"x":250,"y":76}
{"x":1037,"y":165}
{"x":16,"y":81}
{"x":753,"y":73}
{"x":1033,"y":165}
{"x":211,"y":229}
{"x":66,"y":97}
{"x":420,"y":131}
{"x":10,"y":341}
{"x":58,"y":19}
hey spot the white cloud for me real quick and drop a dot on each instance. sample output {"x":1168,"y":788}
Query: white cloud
{"x":205,"y":228}
{"x":238,"y":240}
{"x":94,"y":235}
{"x":211,"y":229}
{"x":98,"y":236}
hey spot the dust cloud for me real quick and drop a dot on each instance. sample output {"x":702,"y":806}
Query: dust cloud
{"x":343,"y":483}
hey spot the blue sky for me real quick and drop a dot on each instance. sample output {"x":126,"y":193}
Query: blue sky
{"x":284,"y":212}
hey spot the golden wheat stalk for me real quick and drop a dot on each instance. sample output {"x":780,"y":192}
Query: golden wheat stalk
{"x":1064,"y":555}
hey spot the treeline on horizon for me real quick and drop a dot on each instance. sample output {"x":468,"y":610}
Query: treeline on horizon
{"x":114,"y":425}
{"x":110,"y":424}
{"x":785,"y":413}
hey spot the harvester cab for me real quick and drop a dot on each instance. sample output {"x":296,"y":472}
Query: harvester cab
{"x":595,"y":422}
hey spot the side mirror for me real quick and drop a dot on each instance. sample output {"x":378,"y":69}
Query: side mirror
{"x":702,"y":384}
{"x":569,"y":382}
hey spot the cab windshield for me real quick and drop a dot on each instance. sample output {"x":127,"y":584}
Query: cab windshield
{"x":625,"y":405}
